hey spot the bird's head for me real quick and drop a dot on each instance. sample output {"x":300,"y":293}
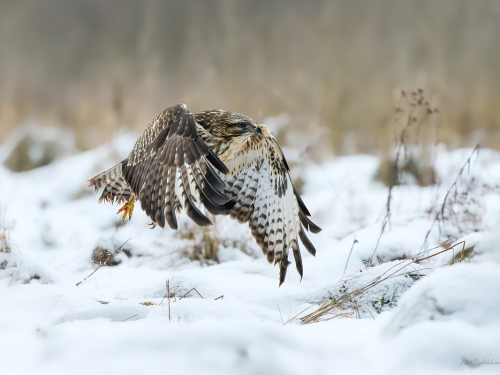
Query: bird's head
{"x":229,"y":125}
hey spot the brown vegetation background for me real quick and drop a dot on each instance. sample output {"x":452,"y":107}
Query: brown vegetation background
{"x":99,"y":65}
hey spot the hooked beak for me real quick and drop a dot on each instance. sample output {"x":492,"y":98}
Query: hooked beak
{"x":257,"y":129}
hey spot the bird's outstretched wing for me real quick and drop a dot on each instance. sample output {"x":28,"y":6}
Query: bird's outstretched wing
{"x":171,"y":168}
{"x":260,"y":186}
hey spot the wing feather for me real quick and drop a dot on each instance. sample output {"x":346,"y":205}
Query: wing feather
{"x":264,"y":196}
{"x":170,"y":168}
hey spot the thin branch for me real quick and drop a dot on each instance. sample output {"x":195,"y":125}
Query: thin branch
{"x":440,"y":213}
{"x":386,"y":221}
{"x":189,"y":291}
{"x":387,"y":216}
{"x":452,"y":247}
{"x":104,"y":263}
{"x":350,"y":252}
{"x":168,"y":298}
{"x":130,"y":317}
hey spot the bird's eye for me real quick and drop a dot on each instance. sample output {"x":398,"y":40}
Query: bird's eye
{"x":241,"y":125}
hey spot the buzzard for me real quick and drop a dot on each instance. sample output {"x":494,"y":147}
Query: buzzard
{"x":223,"y":161}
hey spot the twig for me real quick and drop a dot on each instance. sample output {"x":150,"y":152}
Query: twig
{"x":453,"y":185}
{"x":350,"y":252}
{"x":387,"y":216}
{"x":220,"y":297}
{"x":386,"y":220}
{"x":433,"y":255}
{"x":130,"y":317}
{"x":104,"y":263}
{"x":189,"y":291}
{"x":173,"y":289}
{"x":368,"y":309}
{"x":356,"y":307}
{"x":280,"y":314}
{"x":168,"y":298}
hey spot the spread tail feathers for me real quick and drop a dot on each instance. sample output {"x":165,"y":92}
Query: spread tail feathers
{"x":116,"y":189}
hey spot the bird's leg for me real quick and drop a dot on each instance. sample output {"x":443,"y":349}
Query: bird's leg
{"x":128,"y":208}
{"x":152,"y":225}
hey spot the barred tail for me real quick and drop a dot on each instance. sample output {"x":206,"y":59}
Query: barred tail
{"x":116,"y":189}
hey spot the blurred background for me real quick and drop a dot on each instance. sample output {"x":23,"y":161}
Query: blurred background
{"x":97,"y":66}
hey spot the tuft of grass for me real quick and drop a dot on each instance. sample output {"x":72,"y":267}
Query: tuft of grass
{"x":410,"y":116}
{"x":336,"y":307}
{"x":203,"y":243}
{"x":103,"y":257}
{"x":21,"y":158}
{"x":413,"y":168}
{"x":414,"y":130}
{"x":456,"y":204}
{"x":463,"y":256}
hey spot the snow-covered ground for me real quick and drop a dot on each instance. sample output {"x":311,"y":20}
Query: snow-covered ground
{"x":434,"y":318}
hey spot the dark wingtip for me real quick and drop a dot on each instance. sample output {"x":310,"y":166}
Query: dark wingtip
{"x":196,"y":215}
{"x":298,"y":258}
{"x":307,"y":243}
{"x":308,"y":224}
{"x":314,"y":228}
{"x":282,"y":276}
{"x":283,"y":268}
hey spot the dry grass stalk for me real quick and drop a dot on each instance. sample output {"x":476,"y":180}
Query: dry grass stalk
{"x":327,"y":308}
{"x":417,"y":111}
{"x":171,"y":293}
{"x":168,"y":297}
{"x":189,"y":291}
{"x":440,"y":214}
{"x":350,"y":252}
{"x":204,"y":242}
{"x":130,"y":317}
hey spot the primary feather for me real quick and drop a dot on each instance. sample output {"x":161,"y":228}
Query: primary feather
{"x":223,"y":161}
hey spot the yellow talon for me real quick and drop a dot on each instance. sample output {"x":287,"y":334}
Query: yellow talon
{"x":128,"y":209}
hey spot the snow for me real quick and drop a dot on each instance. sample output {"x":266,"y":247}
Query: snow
{"x":437,"y":316}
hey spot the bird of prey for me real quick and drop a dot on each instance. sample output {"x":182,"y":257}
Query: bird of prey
{"x":223,"y":161}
